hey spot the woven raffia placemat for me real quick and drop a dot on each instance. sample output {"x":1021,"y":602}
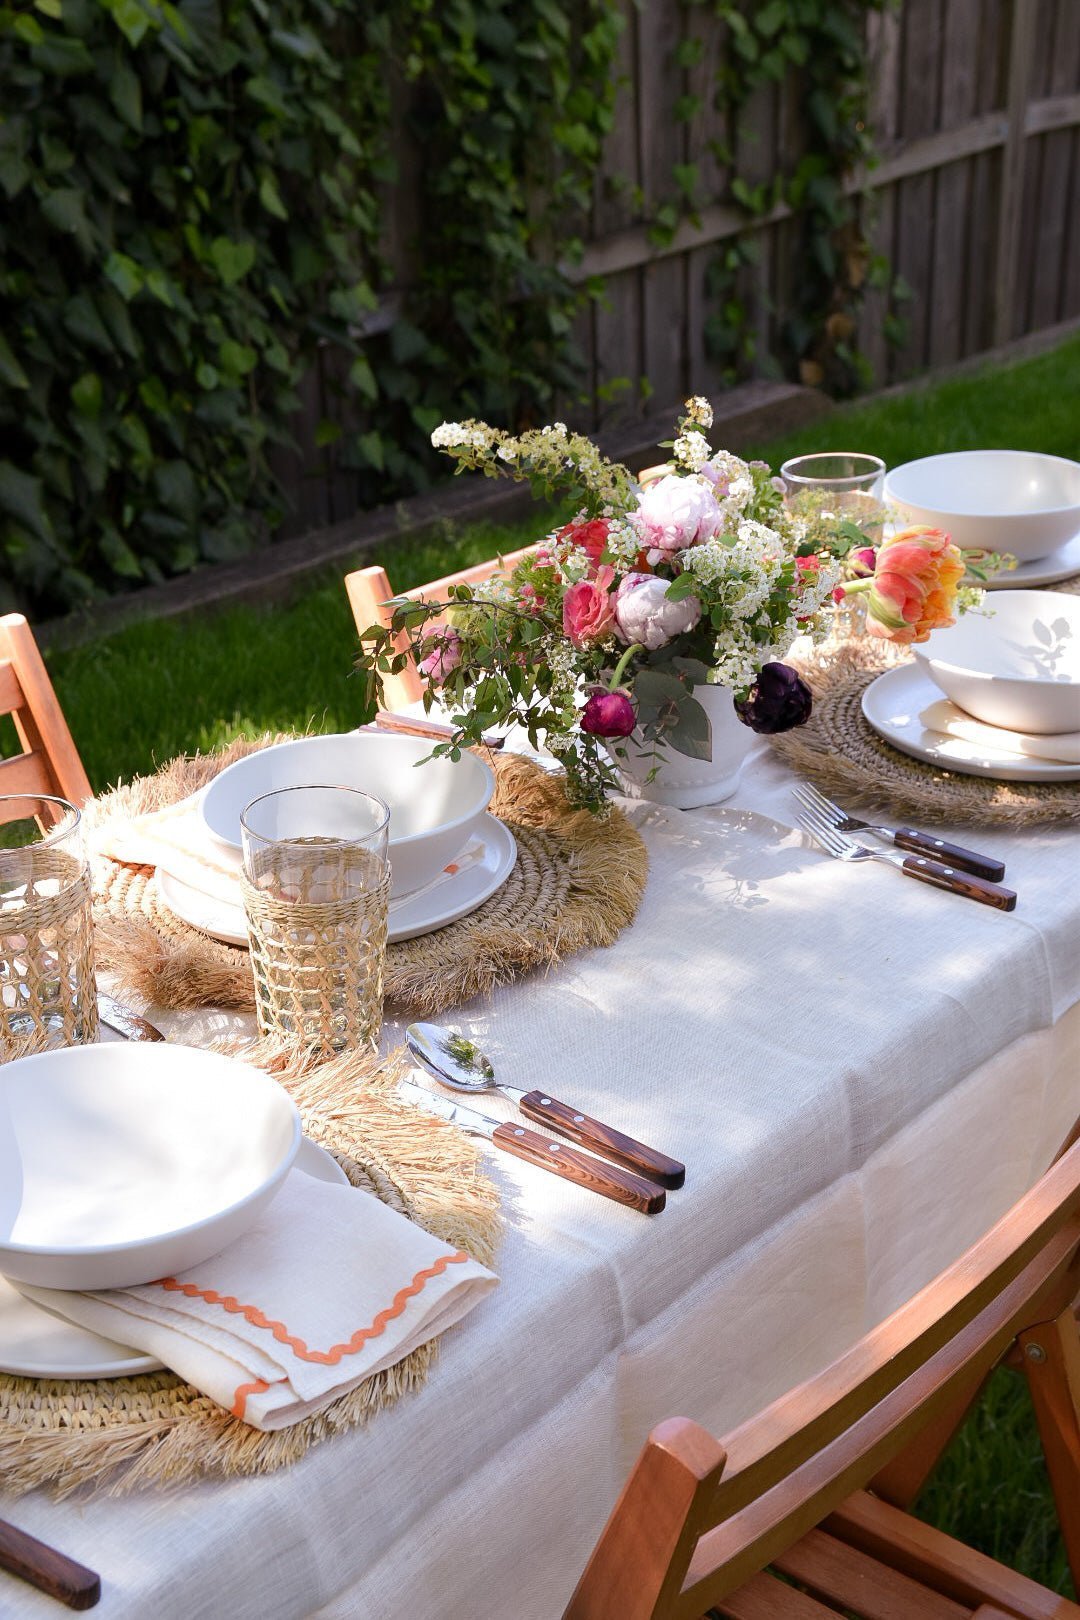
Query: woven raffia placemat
{"x":119,"y":1434}
{"x":839,"y":751}
{"x":577,"y":883}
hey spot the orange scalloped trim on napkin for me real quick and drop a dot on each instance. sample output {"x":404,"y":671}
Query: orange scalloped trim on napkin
{"x":328,"y":1358}
{"x":242,"y":1391}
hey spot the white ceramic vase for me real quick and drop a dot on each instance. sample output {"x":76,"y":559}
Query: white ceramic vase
{"x":680,"y":781}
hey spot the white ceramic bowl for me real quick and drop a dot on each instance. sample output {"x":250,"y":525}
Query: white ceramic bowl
{"x":1019,"y":667}
{"x":120,"y":1164}
{"x":434,"y":808}
{"x":1006,"y":500}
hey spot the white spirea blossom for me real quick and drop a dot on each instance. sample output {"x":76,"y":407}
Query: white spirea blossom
{"x":691,"y":450}
{"x":698,"y":410}
{"x":456,"y":435}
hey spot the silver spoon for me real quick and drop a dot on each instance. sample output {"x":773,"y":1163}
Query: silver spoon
{"x":457,"y":1062}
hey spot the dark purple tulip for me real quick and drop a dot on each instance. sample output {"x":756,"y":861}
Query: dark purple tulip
{"x":608,"y":714}
{"x":779,"y":699}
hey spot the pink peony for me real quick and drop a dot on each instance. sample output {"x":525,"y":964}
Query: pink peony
{"x":588,"y":608}
{"x":644,"y":614}
{"x":444,"y":657}
{"x":675,"y":513}
{"x":608,"y":714}
{"x":914,"y":585}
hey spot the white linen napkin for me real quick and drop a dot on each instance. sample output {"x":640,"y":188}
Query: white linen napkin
{"x":177,"y":840}
{"x":946,"y":717}
{"x":328,"y":1287}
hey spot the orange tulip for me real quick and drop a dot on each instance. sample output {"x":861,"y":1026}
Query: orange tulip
{"x":914,"y":587}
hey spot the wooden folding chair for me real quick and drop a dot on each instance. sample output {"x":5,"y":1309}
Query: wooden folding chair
{"x":49,"y":761}
{"x":370,"y":591}
{"x":794,"y":1515}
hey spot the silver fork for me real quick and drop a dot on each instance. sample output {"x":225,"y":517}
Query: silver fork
{"x":916,"y":866}
{"x":968,"y":860}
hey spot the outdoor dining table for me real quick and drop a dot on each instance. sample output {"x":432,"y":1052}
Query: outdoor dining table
{"x":860,"y":1074}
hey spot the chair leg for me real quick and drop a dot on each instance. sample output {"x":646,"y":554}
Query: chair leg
{"x":1051,"y":1352}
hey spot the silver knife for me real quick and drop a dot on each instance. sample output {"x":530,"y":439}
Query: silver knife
{"x":568,"y":1162}
{"x":124,"y":1021}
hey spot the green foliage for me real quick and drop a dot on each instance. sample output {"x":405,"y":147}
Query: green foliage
{"x":817,"y":48}
{"x":184,"y":202}
{"x":193,"y":205}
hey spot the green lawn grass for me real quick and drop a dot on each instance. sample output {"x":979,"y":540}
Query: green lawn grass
{"x":154,"y":690}
{"x":151,"y":691}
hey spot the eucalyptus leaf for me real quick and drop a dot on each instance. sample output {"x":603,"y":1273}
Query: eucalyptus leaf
{"x":691,"y":734}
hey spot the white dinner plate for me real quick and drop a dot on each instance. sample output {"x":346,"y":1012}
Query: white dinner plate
{"x":36,"y":1344}
{"x":409,"y":917}
{"x":892,"y":705}
{"x":1060,"y":564}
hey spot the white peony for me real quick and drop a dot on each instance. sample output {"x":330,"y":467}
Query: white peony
{"x":643,"y":613}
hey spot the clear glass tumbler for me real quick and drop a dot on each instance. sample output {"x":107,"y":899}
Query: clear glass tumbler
{"x":48,"y":996}
{"x":316,"y":888}
{"x":844,"y":472}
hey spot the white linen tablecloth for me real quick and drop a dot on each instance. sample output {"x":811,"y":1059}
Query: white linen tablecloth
{"x":860,"y":1072}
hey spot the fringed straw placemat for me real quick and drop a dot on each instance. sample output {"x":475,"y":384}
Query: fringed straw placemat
{"x":577,"y":883}
{"x":841,"y":753}
{"x":121,"y":1434}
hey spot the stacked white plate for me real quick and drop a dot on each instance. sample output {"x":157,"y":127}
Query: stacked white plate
{"x":1016,"y":501}
{"x":1013,"y":674}
{"x":120,"y":1164}
{"x":447,"y":853}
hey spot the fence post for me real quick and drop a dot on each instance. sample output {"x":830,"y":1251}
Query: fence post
{"x":1021,"y":44}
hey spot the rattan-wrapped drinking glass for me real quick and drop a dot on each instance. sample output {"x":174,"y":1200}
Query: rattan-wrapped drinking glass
{"x":47,"y":993}
{"x":316,"y":888}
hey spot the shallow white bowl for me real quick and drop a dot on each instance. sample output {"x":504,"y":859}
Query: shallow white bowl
{"x":1019,"y":667}
{"x":1006,"y":500}
{"x":120,"y":1164}
{"x":435,"y":808}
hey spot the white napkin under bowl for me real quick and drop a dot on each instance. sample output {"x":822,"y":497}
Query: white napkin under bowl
{"x":327,"y":1288}
{"x":950,"y":720}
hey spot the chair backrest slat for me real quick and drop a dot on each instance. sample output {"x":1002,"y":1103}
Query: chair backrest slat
{"x":369,"y":591}
{"x":49,"y":762}
{"x":11,"y":695}
{"x":25,"y":773}
{"x":796,"y":1461}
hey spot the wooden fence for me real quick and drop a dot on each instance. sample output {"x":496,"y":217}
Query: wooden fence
{"x":975,"y":203}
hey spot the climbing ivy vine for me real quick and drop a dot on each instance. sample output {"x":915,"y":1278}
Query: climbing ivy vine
{"x":818,"y":48}
{"x":196,"y":206}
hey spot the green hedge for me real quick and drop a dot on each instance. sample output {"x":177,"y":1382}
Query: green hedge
{"x":193,"y":203}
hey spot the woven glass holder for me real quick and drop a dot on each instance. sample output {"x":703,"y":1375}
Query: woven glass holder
{"x":317,"y":912}
{"x":48,"y":996}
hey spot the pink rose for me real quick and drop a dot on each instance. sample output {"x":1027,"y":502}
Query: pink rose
{"x":592,"y":537}
{"x":608,"y":714}
{"x":589,"y":608}
{"x":444,"y":657}
{"x":644,"y":614}
{"x":675,"y":513}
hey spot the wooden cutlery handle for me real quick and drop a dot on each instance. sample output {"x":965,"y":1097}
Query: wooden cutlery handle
{"x":580,"y":1167}
{"x":410,"y":725}
{"x":50,"y":1571}
{"x":945,"y":877}
{"x":612,"y":1144}
{"x":968,"y":860}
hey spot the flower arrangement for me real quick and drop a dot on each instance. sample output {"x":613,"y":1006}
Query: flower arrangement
{"x":607,"y":627}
